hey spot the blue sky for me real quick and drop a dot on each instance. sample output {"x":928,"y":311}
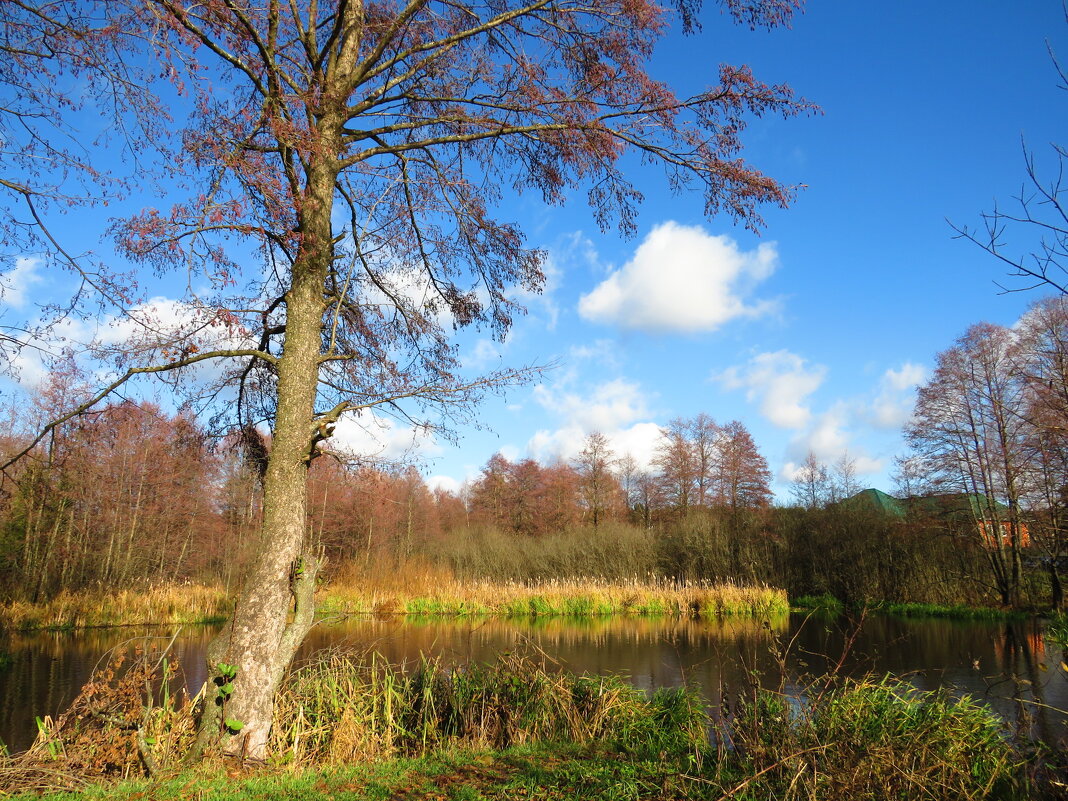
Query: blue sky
{"x":815,"y":333}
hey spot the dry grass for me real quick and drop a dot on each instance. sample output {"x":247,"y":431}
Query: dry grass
{"x":431,"y":592}
{"x":345,"y":708}
{"x":414,"y":589}
{"x":167,"y":604}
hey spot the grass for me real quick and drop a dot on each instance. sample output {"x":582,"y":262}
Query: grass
{"x":818,"y":603}
{"x":574,"y":598}
{"x":954,"y":612}
{"x":870,"y":739}
{"x":166,"y":604}
{"x":1057,"y":629}
{"x":831,"y":605}
{"x":873,"y":739}
{"x":342,"y":708}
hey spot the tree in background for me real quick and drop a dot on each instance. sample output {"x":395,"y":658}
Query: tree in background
{"x":968,"y":429}
{"x":742,"y":479}
{"x":677,"y":466}
{"x":811,"y":484}
{"x":598,"y":486}
{"x":1043,"y":337}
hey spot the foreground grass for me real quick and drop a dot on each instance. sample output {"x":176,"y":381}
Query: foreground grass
{"x":349,"y":727}
{"x":1057,"y":629}
{"x":873,"y":740}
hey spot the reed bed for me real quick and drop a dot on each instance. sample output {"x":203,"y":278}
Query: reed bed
{"x":583,"y":597}
{"x":157,"y":605}
{"x":872,"y":738}
{"x":345,"y":708}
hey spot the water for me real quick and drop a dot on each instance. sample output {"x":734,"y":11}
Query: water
{"x":1009,"y":666}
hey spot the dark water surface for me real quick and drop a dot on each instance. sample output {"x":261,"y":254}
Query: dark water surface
{"x":1010,"y":666}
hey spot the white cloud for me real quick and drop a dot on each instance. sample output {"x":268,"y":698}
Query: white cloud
{"x":374,"y":438}
{"x":484,"y":353}
{"x":830,"y":439}
{"x":609,"y":407}
{"x":781,"y":381}
{"x":443,"y":482}
{"x":617,"y":408}
{"x":640,"y":440}
{"x":893,"y":404}
{"x":16,"y":283}
{"x":682,"y":279}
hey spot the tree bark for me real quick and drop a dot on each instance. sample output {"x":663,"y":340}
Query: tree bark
{"x":262,"y":639}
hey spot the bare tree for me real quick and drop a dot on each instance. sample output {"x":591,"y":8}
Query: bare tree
{"x":1038,"y":215}
{"x":970,"y":431}
{"x":597,"y":483}
{"x":811,"y":485}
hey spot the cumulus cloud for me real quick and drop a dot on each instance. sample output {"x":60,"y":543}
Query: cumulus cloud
{"x":16,"y":283}
{"x":608,"y":407}
{"x":830,"y":439}
{"x":895,"y":398}
{"x":446,"y":483}
{"x":640,"y":440}
{"x":682,"y":279}
{"x":781,"y":381}
{"x":374,"y":438}
{"x":619,"y":409}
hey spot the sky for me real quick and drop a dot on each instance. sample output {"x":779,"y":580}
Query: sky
{"x":813,"y":333}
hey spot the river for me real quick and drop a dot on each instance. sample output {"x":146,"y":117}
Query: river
{"x":1008,"y":665}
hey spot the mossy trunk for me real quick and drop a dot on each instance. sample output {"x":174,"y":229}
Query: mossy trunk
{"x":263,"y":636}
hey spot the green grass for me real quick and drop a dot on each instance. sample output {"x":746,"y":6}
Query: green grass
{"x":572,"y":598}
{"x":952,"y":612}
{"x":347,"y":729}
{"x":1057,"y":629}
{"x":831,"y":605}
{"x":874,"y":740}
{"x":819,"y":603}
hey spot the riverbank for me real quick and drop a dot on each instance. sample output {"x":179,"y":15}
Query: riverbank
{"x":193,"y":603}
{"x":358,"y":730}
{"x":436,"y":594}
{"x":830,"y":605}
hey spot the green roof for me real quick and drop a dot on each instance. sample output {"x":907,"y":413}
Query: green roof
{"x":878,"y":501}
{"x":958,"y":504}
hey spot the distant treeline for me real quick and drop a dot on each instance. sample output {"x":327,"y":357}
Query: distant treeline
{"x":134,"y":495}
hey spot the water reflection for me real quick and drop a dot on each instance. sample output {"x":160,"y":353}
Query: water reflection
{"x":1007,"y":665}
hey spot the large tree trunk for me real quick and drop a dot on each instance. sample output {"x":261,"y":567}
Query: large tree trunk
{"x":262,"y":637}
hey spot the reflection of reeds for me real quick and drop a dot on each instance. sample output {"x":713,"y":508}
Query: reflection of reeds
{"x":575,"y":598}
{"x":166,"y":604}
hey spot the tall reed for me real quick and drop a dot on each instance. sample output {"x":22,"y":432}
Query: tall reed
{"x":343,"y":708}
{"x":167,"y":604}
{"x":577,"y":597}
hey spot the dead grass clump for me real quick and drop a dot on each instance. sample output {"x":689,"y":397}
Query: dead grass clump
{"x":125,"y":722}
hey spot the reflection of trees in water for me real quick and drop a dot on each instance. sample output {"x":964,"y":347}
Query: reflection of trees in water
{"x":998,"y":663}
{"x":1024,"y":679}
